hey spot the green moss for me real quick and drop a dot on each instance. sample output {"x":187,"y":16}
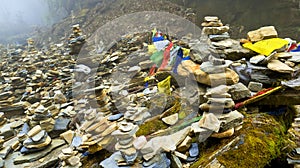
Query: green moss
{"x":151,"y":127}
{"x":262,"y":143}
{"x":262,"y":138}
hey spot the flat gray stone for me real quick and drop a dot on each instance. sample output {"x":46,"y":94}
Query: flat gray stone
{"x":239,"y":91}
{"x":39,"y":136}
{"x":257,"y":59}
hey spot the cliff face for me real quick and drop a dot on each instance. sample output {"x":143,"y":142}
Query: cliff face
{"x":243,"y":16}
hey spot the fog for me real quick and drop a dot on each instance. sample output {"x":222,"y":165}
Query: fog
{"x":18,"y":17}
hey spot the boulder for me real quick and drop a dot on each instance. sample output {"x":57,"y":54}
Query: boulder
{"x":262,"y":33}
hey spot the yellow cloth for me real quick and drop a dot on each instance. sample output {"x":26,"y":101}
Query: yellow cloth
{"x":186,"y":52}
{"x":151,"y":49}
{"x":266,"y":47}
{"x":165,"y":86}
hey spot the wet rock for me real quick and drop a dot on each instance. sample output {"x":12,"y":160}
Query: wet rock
{"x":239,"y":91}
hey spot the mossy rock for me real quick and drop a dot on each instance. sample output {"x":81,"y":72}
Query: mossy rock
{"x":261,"y":140}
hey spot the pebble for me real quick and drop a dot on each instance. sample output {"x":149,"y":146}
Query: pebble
{"x":77,"y":141}
{"x":194,"y":150}
{"x":115,"y":117}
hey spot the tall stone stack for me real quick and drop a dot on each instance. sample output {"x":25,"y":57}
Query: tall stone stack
{"x":76,"y":40}
{"x":214,"y":28}
{"x":219,"y":100}
{"x":125,"y":136}
{"x":30,"y":46}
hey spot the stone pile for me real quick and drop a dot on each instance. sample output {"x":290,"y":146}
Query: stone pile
{"x":214,"y":28}
{"x":37,"y":139}
{"x":219,"y":100}
{"x":124,"y":110}
{"x":37,"y":114}
{"x":125,"y":136}
{"x":69,"y":158}
{"x":76,"y":39}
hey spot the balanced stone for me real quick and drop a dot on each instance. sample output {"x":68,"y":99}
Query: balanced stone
{"x":37,"y":137}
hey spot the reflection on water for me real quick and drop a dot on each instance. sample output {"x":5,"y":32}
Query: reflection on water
{"x":245,"y":15}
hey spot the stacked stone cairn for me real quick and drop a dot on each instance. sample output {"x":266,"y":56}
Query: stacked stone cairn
{"x":69,"y":158}
{"x":76,"y":40}
{"x":37,"y":139}
{"x":125,"y":136}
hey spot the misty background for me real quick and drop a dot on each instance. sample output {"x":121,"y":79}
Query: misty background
{"x":20,"y":18}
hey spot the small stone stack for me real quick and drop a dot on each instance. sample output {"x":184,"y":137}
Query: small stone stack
{"x":219,"y":101}
{"x":99,"y":130}
{"x":37,"y":140}
{"x":41,"y":116}
{"x":76,"y":39}
{"x":136,"y":114}
{"x":30,"y":46}
{"x":125,"y":136}
{"x":213,"y":27}
{"x":69,"y":158}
